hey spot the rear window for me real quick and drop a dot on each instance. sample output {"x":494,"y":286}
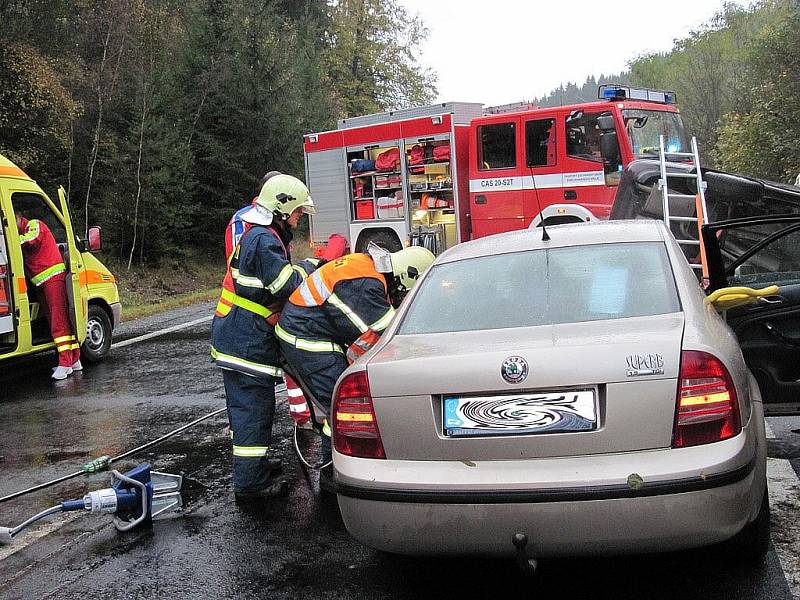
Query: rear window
{"x":545,"y":287}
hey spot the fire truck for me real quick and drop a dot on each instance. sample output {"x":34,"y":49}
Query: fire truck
{"x":442,"y":174}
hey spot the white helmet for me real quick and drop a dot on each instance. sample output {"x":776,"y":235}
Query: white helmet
{"x":284,"y":194}
{"x":409,"y":264}
{"x":280,"y":194}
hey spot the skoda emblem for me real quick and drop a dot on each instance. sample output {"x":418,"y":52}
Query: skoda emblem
{"x":514,"y":369}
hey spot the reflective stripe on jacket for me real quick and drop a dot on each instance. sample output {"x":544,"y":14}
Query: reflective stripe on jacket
{"x":338,"y":303}
{"x":262,"y":277}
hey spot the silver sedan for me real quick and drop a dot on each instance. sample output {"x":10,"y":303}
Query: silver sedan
{"x":538,"y":398}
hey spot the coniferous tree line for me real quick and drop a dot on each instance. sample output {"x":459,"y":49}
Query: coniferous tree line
{"x":159,"y":117}
{"x":737,"y":83}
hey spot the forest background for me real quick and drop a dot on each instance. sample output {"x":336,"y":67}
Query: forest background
{"x":159,"y":117}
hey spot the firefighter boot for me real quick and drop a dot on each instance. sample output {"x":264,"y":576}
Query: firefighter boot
{"x":276,"y":488}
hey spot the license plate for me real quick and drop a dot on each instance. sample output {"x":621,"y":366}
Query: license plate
{"x":519,"y":414}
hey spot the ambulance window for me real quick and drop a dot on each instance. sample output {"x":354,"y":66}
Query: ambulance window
{"x":497,"y":146}
{"x":540,"y":143}
{"x":33,"y":206}
{"x":583,"y":136}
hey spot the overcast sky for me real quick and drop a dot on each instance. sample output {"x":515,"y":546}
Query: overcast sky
{"x":501,"y":51}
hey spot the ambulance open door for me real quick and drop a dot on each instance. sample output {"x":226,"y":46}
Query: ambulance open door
{"x":77,"y":296}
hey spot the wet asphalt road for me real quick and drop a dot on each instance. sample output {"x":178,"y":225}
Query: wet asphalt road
{"x":294,"y":547}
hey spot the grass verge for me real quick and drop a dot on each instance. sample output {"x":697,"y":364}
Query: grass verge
{"x":138,"y":311}
{"x":146,"y":291}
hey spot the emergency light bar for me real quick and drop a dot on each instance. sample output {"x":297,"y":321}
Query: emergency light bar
{"x":621,"y":92}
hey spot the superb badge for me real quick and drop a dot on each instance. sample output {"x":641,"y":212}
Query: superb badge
{"x":514,"y":369}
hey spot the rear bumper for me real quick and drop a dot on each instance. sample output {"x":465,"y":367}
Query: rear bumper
{"x":550,"y":495}
{"x":475,"y":508}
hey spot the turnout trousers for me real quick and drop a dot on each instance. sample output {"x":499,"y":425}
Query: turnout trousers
{"x":251,"y":408}
{"x":54,"y":293}
{"x":319,"y":371}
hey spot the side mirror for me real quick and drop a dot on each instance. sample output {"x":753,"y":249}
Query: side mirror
{"x":95,"y":239}
{"x":605,"y":123}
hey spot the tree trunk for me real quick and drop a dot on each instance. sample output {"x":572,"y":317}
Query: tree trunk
{"x":98,"y":124}
{"x":138,"y":175}
{"x":71,"y":154}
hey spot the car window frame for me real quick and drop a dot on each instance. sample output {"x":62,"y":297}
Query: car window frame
{"x":718,"y":273}
{"x":479,"y":155}
{"x":59,"y":231}
{"x":552,"y":140}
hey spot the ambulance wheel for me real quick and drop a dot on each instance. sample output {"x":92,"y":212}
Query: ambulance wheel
{"x":98,"y":335}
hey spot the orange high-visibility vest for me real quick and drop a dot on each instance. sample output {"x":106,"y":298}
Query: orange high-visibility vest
{"x":318,"y":286}
{"x":229,"y":297}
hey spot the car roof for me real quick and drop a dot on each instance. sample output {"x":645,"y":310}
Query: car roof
{"x":572,"y":234}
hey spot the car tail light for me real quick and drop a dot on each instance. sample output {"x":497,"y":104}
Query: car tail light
{"x":355,"y":429}
{"x":707,"y":409}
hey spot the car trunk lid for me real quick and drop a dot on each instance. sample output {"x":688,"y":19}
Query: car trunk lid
{"x":629,"y":365}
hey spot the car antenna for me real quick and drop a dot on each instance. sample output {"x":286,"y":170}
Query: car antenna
{"x":545,"y":236}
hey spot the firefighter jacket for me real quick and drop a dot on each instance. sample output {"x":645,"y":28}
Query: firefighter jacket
{"x":262,"y":275}
{"x":43,"y":260}
{"x":344,"y":302}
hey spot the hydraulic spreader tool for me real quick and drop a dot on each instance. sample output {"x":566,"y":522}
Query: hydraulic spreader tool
{"x":134,"y":499}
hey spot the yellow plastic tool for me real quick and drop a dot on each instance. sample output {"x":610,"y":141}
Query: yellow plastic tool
{"x":731,"y":297}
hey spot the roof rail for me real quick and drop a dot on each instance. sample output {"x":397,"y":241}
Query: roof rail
{"x":625,"y":92}
{"x":507,"y":108}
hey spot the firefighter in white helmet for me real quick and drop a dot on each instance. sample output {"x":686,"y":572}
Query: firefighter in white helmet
{"x":243,"y":340}
{"x":339,"y":312}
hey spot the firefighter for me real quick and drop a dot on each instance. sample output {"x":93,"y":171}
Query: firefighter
{"x":46,"y":269}
{"x":339,"y":312}
{"x":260,"y":277}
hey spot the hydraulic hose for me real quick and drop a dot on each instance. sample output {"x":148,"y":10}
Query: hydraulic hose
{"x":102,"y":463}
{"x":45,"y":513}
{"x":302,"y":458}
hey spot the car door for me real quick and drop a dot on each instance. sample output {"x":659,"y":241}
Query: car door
{"x":495,"y":186}
{"x":758,"y":252}
{"x":77,"y":295}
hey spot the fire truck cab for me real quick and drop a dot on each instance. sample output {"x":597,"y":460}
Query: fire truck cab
{"x":563,"y":164}
{"x":439,"y":175}
{"x":91,"y":288}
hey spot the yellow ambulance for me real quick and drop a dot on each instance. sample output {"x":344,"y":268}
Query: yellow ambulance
{"x":91,"y":288}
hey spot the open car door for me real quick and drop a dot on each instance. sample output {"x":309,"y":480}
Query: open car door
{"x":78,"y":301}
{"x":758,"y":252}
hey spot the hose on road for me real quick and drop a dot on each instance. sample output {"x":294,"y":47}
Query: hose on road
{"x":103,"y":462}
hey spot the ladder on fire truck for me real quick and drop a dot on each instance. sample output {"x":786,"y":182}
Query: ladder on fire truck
{"x":700,"y":213}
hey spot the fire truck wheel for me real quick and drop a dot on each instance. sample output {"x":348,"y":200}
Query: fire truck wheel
{"x":384,"y":239}
{"x":98,"y":335}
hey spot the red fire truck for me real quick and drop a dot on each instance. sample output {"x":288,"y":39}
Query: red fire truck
{"x":442,"y":174}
